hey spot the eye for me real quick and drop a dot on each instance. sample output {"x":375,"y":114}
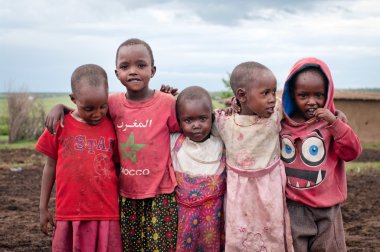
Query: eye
{"x":203,"y":119}
{"x":288,"y":152}
{"x":313,"y":151}
{"x":319,"y":95}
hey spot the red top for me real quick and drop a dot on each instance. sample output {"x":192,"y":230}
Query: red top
{"x":86,"y":181}
{"x":143,"y":130}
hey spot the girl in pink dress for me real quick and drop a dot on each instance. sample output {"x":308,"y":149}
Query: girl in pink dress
{"x":256,"y":217}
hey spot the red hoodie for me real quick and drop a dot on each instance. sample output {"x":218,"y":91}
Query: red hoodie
{"x":315,"y":169}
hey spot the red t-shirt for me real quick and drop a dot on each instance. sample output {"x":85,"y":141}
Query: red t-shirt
{"x":86,"y":181}
{"x":143,"y":130}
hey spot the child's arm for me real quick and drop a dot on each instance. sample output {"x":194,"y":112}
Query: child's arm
{"x":56,"y":113}
{"x":346,"y":143}
{"x":48,"y":179}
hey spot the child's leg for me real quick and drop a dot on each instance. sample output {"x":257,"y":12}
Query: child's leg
{"x":302,"y":225}
{"x":316,"y":229}
{"x":149,"y":224}
{"x":330,"y":230}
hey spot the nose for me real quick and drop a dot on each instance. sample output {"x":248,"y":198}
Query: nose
{"x":132,"y":70}
{"x":196,"y":124}
{"x":98,"y":113}
{"x":272,"y":98}
{"x":311,"y":100}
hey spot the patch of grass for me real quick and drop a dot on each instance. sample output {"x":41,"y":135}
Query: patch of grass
{"x":372,"y":146}
{"x":17,"y":145}
{"x":362,"y":166}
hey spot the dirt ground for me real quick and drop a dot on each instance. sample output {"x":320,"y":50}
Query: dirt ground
{"x":19,"y":217}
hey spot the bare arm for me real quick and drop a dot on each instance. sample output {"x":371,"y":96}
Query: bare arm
{"x":55,"y":114}
{"x":48,"y":179}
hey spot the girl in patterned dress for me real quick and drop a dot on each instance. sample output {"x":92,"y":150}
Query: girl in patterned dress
{"x":199,"y":163}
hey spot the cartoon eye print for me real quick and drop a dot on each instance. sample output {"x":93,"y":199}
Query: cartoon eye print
{"x":288,"y":152}
{"x":313,"y":151}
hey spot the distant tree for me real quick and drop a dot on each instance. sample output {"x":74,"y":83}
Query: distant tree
{"x":227,"y":93}
{"x":26,"y":117}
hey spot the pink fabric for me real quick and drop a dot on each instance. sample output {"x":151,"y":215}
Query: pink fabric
{"x":87,"y":236}
{"x":142,"y":130}
{"x":261,"y":220}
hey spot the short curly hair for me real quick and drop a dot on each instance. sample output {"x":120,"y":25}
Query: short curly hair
{"x":245,"y":73}
{"x":136,"y":41}
{"x":92,"y":74}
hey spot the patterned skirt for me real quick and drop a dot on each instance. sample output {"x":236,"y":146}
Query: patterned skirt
{"x":200,"y":212}
{"x":149,"y":224}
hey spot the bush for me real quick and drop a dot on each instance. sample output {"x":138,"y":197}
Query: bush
{"x":26,"y":117}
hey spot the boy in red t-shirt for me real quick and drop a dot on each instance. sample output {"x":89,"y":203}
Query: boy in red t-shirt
{"x":81,"y":161}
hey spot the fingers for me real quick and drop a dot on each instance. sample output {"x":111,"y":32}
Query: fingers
{"x":169,"y":90}
{"x":43,"y":228}
{"x":61,"y":120}
{"x":54,"y":126}
{"x":174,"y":91}
{"x":165,"y":88}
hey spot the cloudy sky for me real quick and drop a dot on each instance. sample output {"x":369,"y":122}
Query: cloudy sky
{"x":194,"y":42}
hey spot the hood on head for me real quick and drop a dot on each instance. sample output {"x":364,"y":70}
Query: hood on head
{"x":288,"y":103}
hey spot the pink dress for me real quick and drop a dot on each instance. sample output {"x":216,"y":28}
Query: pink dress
{"x":199,"y":196}
{"x":256,"y":217}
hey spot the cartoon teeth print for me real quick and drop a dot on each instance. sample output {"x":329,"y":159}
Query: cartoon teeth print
{"x":312,"y":154}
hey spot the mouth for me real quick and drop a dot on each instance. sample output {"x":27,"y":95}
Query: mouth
{"x":134,"y":80}
{"x":270,"y":110}
{"x":197,"y":136}
{"x":94,"y":122}
{"x":310,"y":112}
{"x":304,"y":179}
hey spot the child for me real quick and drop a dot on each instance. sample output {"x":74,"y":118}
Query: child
{"x":143,"y":119}
{"x":315,"y":145}
{"x":198,"y":160}
{"x":80,"y":158}
{"x":256,"y":217}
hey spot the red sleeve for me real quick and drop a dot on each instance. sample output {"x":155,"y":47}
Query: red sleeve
{"x":47,"y":144}
{"x":346,"y":143}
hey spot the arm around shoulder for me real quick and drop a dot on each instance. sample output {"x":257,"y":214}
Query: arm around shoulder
{"x":56,"y":113}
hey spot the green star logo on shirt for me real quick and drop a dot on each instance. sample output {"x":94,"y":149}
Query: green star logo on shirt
{"x":129,"y":148}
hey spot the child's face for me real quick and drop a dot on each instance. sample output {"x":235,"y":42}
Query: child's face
{"x":134,"y":67}
{"x":309,"y":93}
{"x":92,"y":103}
{"x":195,"y":119}
{"x":260,"y":96}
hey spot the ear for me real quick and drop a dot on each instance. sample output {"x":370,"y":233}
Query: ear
{"x":72,"y":98}
{"x":117,"y":75}
{"x":241,"y":95}
{"x":153,"y":71}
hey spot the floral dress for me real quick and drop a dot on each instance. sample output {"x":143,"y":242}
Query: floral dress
{"x":200,"y":201}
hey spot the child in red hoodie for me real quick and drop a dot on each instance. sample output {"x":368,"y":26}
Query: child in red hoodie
{"x":315,"y":145}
